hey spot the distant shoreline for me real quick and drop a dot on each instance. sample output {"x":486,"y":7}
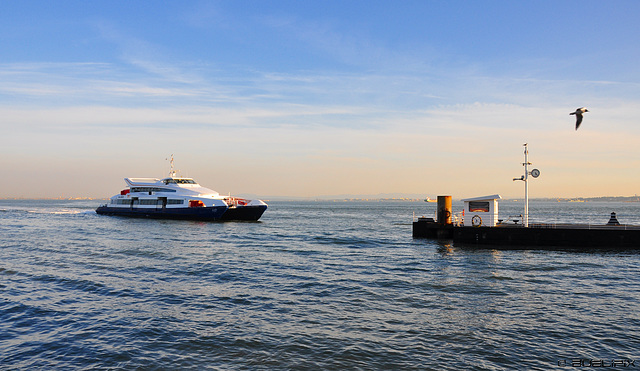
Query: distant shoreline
{"x":370,"y":199}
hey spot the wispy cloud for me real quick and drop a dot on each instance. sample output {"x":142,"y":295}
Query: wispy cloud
{"x":375,"y":116}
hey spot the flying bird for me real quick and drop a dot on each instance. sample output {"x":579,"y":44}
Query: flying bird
{"x":578,"y":113}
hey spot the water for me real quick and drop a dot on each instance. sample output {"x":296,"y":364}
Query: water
{"x":314,"y":285}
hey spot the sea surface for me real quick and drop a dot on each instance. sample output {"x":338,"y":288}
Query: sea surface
{"x":315,"y":285}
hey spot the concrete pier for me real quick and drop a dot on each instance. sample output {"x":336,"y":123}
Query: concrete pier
{"x":582,"y":237}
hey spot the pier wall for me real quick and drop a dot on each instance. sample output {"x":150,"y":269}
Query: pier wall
{"x":573,"y":236}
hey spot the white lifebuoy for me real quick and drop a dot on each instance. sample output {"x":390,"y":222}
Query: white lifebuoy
{"x":476,"y":221}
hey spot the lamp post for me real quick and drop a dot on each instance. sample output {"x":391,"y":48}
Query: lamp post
{"x":534,"y":173}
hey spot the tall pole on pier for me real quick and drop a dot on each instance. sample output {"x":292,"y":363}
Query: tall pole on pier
{"x":526,"y":185}
{"x":525,"y":178}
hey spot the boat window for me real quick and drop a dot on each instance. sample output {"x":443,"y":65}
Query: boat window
{"x":179,"y":181}
{"x":175,"y":202}
{"x":185,"y":181}
{"x":479,"y":206}
{"x":150,"y":189}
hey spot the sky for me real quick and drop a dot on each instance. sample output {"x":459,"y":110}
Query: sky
{"x":318,"y":98}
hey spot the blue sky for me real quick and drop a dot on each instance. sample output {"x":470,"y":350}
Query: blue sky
{"x":300,"y":98}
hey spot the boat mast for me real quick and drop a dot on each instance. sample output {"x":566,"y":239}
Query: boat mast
{"x":172,"y":173}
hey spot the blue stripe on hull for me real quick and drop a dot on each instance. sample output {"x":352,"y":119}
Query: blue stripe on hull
{"x":190,"y":213}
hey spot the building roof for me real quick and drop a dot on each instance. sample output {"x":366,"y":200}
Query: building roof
{"x":483,"y":198}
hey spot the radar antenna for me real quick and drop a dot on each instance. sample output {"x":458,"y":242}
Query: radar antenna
{"x":172,"y":172}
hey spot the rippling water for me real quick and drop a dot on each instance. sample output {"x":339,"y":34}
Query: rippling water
{"x":313,"y":285}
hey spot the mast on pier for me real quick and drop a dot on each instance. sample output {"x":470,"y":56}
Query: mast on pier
{"x":534,"y":173}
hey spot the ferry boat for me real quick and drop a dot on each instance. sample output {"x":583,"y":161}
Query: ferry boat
{"x":179,"y":198}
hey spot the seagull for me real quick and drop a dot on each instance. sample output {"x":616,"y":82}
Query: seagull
{"x":578,"y":113}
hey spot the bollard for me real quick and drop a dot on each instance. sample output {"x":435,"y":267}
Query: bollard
{"x":444,"y":210}
{"x":613,"y":220}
